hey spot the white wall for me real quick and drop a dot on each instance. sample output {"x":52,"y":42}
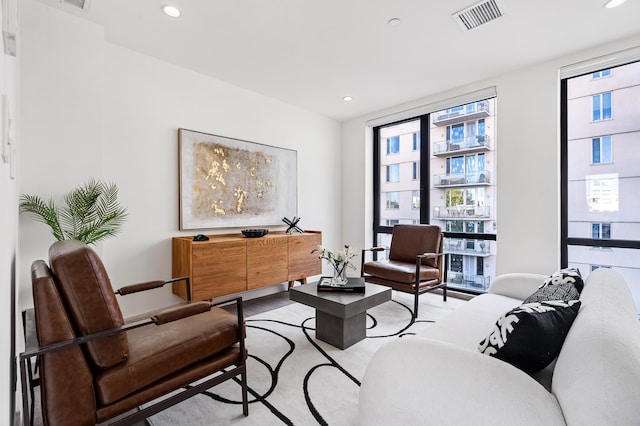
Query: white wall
{"x":93,"y":108}
{"x":146,"y":101}
{"x":528,"y":233}
{"x":61,"y":88}
{"x":9,"y":86}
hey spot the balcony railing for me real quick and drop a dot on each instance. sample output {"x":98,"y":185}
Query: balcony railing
{"x":461,"y":212}
{"x":480,"y":178}
{"x":470,"y":282}
{"x":466,"y":246}
{"x":450,"y":147}
{"x":467,"y":112}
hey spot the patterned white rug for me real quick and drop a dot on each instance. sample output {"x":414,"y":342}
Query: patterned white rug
{"x":295,"y":379}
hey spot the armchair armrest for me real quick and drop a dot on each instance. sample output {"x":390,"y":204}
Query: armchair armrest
{"x":178,"y":312}
{"x":429,"y":255}
{"x":429,"y":382}
{"x":149,"y":285}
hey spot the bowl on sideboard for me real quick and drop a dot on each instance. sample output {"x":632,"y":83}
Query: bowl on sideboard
{"x":254,"y":233}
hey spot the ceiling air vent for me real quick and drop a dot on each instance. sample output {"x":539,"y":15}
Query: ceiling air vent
{"x":80,"y":4}
{"x":478,"y":14}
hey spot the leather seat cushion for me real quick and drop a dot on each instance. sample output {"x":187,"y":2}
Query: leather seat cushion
{"x":167,"y":350}
{"x":402,"y":272}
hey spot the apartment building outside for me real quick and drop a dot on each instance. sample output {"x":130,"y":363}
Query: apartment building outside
{"x":462,"y":195}
{"x":461,"y":186}
{"x":603,"y":172}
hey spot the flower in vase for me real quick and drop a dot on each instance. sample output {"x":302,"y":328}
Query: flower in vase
{"x":339,"y":260}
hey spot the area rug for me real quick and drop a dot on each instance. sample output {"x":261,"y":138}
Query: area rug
{"x":295,"y":379}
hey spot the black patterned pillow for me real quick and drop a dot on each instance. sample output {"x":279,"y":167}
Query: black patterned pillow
{"x":566,"y":284}
{"x":531,"y":335}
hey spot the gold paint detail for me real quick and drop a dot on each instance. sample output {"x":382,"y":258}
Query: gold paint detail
{"x":232,"y":181}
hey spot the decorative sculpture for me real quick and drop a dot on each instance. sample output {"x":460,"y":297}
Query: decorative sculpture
{"x":293,"y":224}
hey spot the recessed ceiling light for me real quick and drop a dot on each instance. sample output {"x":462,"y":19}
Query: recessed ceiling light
{"x":613,"y":3}
{"x":394,"y":22}
{"x":347,"y":98}
{"x":172,"y":11}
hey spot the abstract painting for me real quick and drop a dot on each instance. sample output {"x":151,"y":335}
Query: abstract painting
{"x":226,"y":182}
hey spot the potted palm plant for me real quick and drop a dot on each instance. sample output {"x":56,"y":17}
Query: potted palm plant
{"x":92,"y":212}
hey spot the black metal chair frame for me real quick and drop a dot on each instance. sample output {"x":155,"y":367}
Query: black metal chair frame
{"x":26,"y":374}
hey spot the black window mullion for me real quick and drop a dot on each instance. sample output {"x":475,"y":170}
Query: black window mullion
{"x":564,"y":175}
{"x":425,"y":178}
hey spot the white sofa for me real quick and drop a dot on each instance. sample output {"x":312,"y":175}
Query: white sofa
{"x":440,"y":377}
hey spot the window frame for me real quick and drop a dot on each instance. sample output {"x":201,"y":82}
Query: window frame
{"x":565,"y":240}
{"x":389,"y":201}
{"x":425,"y":178}
{"x":389,"y":174}
{"x":601,"y":107}
{"x":601,"y":145}
{"x":393,"y":142}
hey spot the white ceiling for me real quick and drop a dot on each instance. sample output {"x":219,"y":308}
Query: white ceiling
{"x":312,"y":54}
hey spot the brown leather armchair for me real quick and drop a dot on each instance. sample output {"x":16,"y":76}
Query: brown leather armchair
{"x":94,"y":365}
{"x":415,"y":264}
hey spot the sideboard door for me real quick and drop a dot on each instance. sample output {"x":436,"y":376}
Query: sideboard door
{"x":303,"y":263}
{"x":266,"y":261}
{"x":219,"y":268}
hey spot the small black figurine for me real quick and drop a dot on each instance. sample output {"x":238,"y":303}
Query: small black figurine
{"x":293,"y":224}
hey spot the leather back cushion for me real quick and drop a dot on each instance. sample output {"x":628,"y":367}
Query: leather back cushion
{"x":88,"y":295}
{"x":407,"y":241}
{"x":66,"y":380}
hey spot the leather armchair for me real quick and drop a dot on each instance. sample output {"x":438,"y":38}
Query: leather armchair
{"x":95,"y":365}
{"x":415,"y":264}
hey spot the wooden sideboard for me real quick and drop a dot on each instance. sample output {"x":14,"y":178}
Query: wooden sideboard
{"x":232,"y":263}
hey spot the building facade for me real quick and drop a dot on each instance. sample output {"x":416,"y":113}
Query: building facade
{"x":462,"y":190}
{"x":603,"y":171}
{"x":460,"y":186}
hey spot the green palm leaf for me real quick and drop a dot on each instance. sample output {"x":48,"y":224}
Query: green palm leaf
{"x":92,"y":212}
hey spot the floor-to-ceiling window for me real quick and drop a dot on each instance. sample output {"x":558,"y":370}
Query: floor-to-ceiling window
{"x":398,"y":158}
{"x":601,"y":172}
{"x":443,"y":167}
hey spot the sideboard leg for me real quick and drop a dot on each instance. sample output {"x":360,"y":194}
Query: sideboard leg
{"x":302,"y":281}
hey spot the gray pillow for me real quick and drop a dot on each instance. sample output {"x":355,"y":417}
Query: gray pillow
{"x":566,"y":285}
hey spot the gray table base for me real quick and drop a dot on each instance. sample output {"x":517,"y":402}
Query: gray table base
{"x":340,"y":332}
{"x":341,"y":318}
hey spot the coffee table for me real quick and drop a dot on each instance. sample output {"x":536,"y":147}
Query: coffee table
{"x":341,"y":318}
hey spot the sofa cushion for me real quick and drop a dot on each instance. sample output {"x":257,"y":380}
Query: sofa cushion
{"x":531,"y":335}
{"x":565,"y":284}
{"x":469,"y":323}
{"x":416,"y":381}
